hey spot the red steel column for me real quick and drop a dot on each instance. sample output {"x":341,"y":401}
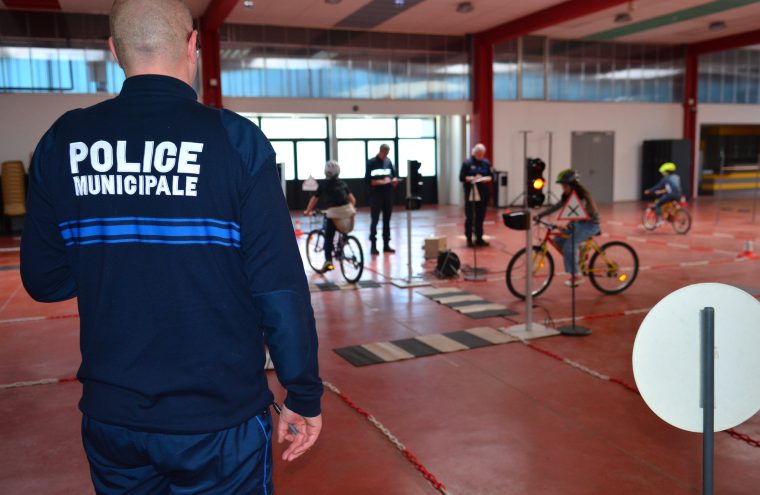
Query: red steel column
{"x":211,"y":70}
{"x":690,"y":97}
{"x":481,"y":124}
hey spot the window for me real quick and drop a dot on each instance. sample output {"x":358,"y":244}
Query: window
{"x":422,"y":150}
{"x":365,"y":128}
{"x":300,"y":142}
{"x":312,"y":156}
{"x":59,"y":70}
{"x":286,"y":156}
{"x":290,"y":127}
{"x":352,"y":156}
{"x":291,"y":62}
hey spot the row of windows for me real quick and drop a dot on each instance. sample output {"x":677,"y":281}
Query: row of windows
{"x":302,"y":143}
{"x":309,"y":72}
{"x":532,"y":68}
{"x":537,"y":68}
{"x":730,"y":77}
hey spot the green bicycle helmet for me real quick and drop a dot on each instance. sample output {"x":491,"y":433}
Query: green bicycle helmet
{"x":667,"y":168}
{"x":567,"y":176}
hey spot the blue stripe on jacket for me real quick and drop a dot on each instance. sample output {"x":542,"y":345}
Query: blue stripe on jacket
{"x":78,"y":233}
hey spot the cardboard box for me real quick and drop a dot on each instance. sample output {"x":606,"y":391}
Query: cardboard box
{"x":433,"y":246}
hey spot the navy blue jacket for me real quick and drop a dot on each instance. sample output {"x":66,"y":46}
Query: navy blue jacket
{"x":165,"y":218}
{"x":379,"y":169}
{"x":472,"y":167}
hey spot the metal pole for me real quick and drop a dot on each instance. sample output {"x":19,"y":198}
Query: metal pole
{"x":708,"y":398}
{"x":408,"y":224}
{"x":754,"y":193}
{"x":528,"y":242}
{"x":473,"y":225}
{"x":575,"y":268}
{"x":550,"y":176}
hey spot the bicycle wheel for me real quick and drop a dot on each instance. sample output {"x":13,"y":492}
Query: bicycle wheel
{"x":315,"y":250}
{"x":614,"y":267}
{"x":543,"y":271}
{"x":649,"y":220}
{"x":352,"y":259}
{"x":681,"y":221}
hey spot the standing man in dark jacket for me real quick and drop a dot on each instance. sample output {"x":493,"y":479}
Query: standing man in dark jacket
{"x":381,"y":177}
{"x":476,"y":174}
{"x":165,"y":218}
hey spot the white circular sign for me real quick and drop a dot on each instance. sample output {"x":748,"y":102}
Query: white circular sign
{"x":667,"y":356}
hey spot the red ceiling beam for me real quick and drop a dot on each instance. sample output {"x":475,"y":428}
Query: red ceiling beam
{"x":726,"y":43}
{"x":211,"y":68}
{"x":33,"y":4}
{"x":216,"y":13}
{"x":551,"y":16}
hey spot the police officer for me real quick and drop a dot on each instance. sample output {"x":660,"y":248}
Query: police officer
{"x":381,"y":177}
{"x":166,"y":220}
{"x":476,"y":173}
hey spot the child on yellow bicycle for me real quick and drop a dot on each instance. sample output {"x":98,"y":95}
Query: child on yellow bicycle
{"x":668,"y":188}
{"x":584,"y":229}
{"x":340,"y":204}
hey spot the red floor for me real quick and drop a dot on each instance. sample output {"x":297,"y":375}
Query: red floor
{"x":497,"y":420}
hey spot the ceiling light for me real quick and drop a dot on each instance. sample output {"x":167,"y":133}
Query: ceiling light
{"x":248,"y":4}
{"x":623,"y":17}
{"x":465,"y":7}
{"x":717,"y":26}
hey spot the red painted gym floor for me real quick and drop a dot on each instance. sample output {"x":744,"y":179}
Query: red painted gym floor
{"x":497,"y":420}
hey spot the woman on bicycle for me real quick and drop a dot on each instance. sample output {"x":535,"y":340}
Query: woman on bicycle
{"x":669,"y":189}
{"x":584,"y":229}
{"x":337,"y":196}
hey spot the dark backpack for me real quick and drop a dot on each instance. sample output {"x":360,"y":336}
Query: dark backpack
{"x":448,"y":265}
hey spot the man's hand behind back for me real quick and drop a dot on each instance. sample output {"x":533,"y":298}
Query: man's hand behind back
{"x":308,"y":432}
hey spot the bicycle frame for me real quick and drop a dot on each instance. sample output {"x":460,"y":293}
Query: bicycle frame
{"x":588,"y":247}
{"x":337,"y":243}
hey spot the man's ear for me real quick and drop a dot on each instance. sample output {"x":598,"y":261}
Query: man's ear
{"x":192,"y":47}
{"x":113,"y":51}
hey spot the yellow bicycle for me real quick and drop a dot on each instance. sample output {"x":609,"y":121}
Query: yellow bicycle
{"x":611,"y":267}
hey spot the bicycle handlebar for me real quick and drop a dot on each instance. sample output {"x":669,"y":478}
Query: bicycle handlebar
{"x":548,"y":225}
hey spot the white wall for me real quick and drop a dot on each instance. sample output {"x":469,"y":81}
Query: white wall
{"x":632,"y":123}
{"x":27,"y":116}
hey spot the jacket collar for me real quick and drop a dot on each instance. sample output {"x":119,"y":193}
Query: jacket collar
{"x":154,"y":84}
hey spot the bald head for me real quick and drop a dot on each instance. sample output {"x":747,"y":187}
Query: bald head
{"x":149,"y":34}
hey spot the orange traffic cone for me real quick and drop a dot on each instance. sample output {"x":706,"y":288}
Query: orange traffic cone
{"x":748,"y":252}
{"x":299,"y":232}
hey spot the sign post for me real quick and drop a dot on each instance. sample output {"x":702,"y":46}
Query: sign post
{"x":695,"y":365}
{"x":573,"y":211}
{"x":476,"y":275}
{"x":410,"y":281}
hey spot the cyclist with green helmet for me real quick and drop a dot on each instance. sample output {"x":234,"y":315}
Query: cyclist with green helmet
{"x":668,"y":188}
{"x":583,"y":229}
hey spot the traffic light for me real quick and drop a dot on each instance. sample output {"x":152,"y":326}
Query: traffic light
{"x":536,"y":182}
{"x":415,"y":177}
{"x":414,"y":187}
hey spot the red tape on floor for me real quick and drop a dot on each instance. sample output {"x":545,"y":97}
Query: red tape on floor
{"x":631,"y":388}
{"x":391,"y":437}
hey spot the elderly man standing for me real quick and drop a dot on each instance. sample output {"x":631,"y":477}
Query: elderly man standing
{"x":166,"y":219}
{"x":476,"y":173}
{"x":381,"y":177}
